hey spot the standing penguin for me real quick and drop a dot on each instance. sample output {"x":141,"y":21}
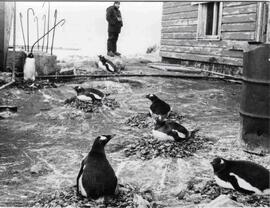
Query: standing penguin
{"x":158,"y":107}
{"x":93,"y":94}
{"x":29,"y":68}
{"x":170,"y":130}
{"x":106,"y":64}
{"x":96,"y":177}
{"x":244,"y":176}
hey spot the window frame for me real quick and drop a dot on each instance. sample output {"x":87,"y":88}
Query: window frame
{"x":201,"y":22}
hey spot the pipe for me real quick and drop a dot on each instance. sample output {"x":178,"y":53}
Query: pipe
{"x":14,"y":43}
{"x":48,"y":25}
{"x":61,"y":21}
{"x":55,"y":17}
{"x":23,"y":32}
{"x":36,"y":19}
{"x":28,"y":26}
{"x":44,"y":29}
{"x":126,"y":75}
{"x":224,"y":75}
{"x":6,"y":85}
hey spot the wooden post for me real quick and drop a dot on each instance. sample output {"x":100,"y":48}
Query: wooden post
{"x":258,"y":32}
{"x":268,"y":24}
{"x":215,"y":16}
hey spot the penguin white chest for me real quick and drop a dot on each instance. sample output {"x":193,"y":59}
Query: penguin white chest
{"x":29,"y":69}
{"x":245,"y":185}
{"x":97,"y":96}
{"x":81,"y":188}
{"x":84,"y":98}
{"x":161,"y":136}
{"x":101,"y":66}
{"x":180,"y":134}
{"x":110,"y":67}
{"x":222,"y":183}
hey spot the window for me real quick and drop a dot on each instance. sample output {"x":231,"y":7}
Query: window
{"x":209,"y":20}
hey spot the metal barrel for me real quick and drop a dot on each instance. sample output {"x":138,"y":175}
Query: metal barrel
{"x":255,"y":100}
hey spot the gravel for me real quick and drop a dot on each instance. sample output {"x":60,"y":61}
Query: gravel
{"x":147,"y":148}
{"x":91,"y":106}
{"x":144,"y":120}
{"x":68,"y":198}
{"x":34,"y":85}
{"x":211,"y":190}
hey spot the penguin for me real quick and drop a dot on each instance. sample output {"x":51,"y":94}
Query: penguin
{"x":29,"y":68}
{"x":106,"y":64}
{"x":158,"y":107}
{"x":171,"y":130}
{"x":243,"y":176}
{"x":91,"y":93}
{"x":96,"y":177}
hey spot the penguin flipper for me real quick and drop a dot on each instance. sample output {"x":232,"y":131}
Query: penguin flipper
{"x":236,"y":186}
{"x":79,"y":175}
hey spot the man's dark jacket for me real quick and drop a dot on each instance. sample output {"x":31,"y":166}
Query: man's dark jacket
{"x":111,"y":15}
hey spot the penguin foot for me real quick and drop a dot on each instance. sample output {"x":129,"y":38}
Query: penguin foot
{"x":193,"y":133}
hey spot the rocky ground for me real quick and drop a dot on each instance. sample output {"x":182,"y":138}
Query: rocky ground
{"x":42,"y":145}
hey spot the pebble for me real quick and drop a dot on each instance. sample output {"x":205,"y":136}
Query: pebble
{"x":211,"y":191}
{"x":68,"y":197}
{"x":143,"y":120}
{"x":89,"y":106}
{"x":147,"y":148}
{"x":34,"y":85}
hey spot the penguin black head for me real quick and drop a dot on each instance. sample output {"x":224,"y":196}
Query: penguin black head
{"x":30,"y":55}
{"x":159,"y":123}
{"x":151,"y":97}
{"x":218,"y":164}
{"x":78,"y":89}
{"x":102,"y":58}
{"x":100,"y":142}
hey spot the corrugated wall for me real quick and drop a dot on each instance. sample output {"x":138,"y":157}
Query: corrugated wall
{"x":179,"y":27}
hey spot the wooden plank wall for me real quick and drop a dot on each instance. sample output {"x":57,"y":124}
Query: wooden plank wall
{"x":179,"y":27}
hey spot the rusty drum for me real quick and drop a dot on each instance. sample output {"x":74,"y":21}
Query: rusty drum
{"x":255,"y":100}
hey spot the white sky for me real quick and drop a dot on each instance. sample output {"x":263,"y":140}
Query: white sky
{"x":86,"y":26}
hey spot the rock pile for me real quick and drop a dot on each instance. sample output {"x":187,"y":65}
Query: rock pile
{"x":211,"y":191}
{"x":126,"y":198}
{"x":89,"y":106}
{"x":143,"y":120}
{"x":147,"y":148}
{"x":34,"y":85}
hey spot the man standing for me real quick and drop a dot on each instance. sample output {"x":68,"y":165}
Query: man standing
{"x":113,"y":16}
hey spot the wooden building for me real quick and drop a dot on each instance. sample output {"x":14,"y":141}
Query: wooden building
{"x":212,"y":33}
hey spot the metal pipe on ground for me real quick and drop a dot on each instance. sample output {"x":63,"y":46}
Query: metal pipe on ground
{"x":125,"y":75}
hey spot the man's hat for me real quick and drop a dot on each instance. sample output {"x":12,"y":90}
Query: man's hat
{"x":117,"y":2}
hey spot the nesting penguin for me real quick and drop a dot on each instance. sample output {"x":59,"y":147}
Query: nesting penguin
{"x":243,"y":176}
{"x":106,"y":64}
{"x":29,"y":68}
{"x":158,"y":107}
{"x":170,"y":130}
{"x":89,"y":94}
{"x":96,"y":177}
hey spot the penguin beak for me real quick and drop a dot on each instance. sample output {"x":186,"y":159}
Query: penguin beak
{"x":109,"y":137}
